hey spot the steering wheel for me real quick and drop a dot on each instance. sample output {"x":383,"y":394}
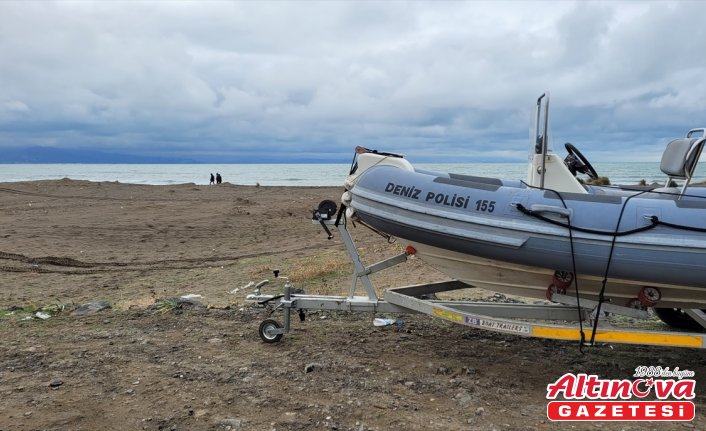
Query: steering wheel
{"x":577,"y":162}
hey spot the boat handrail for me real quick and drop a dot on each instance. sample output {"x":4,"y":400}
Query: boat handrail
{"x":700,"y":130}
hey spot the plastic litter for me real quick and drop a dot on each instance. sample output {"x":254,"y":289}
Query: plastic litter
{"x":387,"y":322}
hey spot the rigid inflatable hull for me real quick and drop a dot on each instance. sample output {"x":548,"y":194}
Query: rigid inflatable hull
{"x":471,"y":228}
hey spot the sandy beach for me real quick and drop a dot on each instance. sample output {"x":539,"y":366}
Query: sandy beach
{"x":148,"y":362}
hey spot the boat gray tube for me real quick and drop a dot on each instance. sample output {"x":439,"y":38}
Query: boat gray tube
{"x":646,"y":236}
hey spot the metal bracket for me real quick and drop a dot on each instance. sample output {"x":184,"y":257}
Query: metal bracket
{"x":697,"y":315}
{"x":606,"y":307}
{"x":361,"y":272}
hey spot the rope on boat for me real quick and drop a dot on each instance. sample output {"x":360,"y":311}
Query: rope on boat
{"x":601,"y":295}
{"x":615,"y":234}
{"x":573,"y":270}
{"x":536,"y":214}
{"x":654,"y":220}
{"x":341,"y":218}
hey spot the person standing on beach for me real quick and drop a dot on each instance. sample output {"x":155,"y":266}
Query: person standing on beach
{"x":213,"y":180}
{"x":218,"y":178}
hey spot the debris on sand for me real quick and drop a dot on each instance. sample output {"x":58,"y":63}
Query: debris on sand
{"x":312,"y":366}
{"x":55,"y":383}
{"x":231,"y":423}
{"x":237,"y":289}
{"x":90,"y":308}
{"x":177,"y":303}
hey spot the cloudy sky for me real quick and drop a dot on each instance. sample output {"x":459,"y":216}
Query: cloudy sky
{"x":308,"y":80}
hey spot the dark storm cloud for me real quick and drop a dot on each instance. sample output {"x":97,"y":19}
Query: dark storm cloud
{"x":310,"y":80}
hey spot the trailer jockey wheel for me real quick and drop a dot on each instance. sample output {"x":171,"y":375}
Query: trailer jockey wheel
{"x":552,"y":289}
{"x":267,"y":331}
{"x":649,"y":296}
{"x":562,"y":279}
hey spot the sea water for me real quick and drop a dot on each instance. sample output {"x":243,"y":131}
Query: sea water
{"x":293,"y":174}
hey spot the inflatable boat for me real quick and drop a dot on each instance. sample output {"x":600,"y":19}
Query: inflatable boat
{"x":551,"y":233}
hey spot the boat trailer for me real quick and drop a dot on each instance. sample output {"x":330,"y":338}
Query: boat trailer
{"x":526,"y":320}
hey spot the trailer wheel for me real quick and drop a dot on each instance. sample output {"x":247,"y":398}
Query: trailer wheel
{"x":267,"y":331}
{"x":677,"y":318}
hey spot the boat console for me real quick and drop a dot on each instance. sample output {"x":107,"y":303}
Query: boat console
{"x":547,"y":170}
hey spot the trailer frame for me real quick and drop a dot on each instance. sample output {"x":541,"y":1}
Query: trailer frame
{"x":526,"y":320}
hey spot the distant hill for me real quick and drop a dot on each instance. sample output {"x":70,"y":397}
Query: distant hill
{"x":67,"y":155}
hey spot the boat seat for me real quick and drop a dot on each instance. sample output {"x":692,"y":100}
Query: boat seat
{"x":679,"y":159}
